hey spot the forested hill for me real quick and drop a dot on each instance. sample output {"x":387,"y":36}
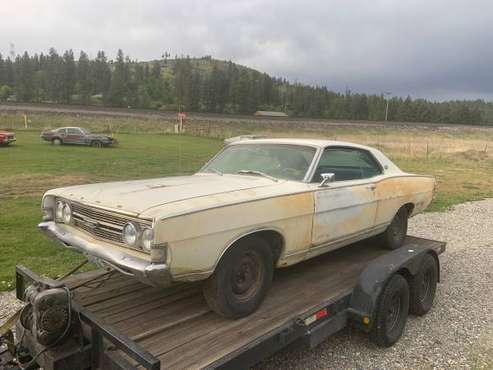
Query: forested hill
{"x":206,"y":85}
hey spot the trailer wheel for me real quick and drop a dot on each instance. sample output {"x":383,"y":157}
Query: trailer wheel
{"x":423,"y":286}
{"x":394,"y":236}
{"x":391,"y":313}
{"x":241,"y":280}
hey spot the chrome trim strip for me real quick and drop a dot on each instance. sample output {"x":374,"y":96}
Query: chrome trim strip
{"x":313,"y":166}
{"x":312,"y":187}
{"x":351,"y":239}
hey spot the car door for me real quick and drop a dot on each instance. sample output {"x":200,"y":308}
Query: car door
{"x":74,"y":136}
{"x":62,"y":133}
{"x":345,"y":209}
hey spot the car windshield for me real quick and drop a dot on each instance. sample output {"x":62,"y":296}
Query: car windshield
{"x":280,"y":161}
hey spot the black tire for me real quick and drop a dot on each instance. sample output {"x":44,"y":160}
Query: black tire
{"x":57,"y":141}
{"x":241,"y":280}
{"x":391,"y":312}
{"x":423,"y":286}
{"x":396,"y":232}
{"x":96,"y":144}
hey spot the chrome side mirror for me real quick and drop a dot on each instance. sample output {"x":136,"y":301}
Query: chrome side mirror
{"x":327,"y":178}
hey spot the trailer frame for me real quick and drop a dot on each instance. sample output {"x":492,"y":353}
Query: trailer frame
{"x":109,"y":348}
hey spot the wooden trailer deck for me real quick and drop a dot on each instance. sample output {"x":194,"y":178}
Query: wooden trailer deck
{"x":177,"y":327}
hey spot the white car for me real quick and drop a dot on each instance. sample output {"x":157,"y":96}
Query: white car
{"x":258,"y":204}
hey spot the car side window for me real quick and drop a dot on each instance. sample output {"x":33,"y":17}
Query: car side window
{"x":62,"y":131}
{"x":347,"y":164}
{"x":73,"y":131}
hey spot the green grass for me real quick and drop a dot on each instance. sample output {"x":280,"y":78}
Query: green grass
{"x":21,"y":242}
{"x":460,"y":179}
{"x":31,"y":166}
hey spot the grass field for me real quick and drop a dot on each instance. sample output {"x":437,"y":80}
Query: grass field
{"x":460,"y":160}
{"x":31,"y":167}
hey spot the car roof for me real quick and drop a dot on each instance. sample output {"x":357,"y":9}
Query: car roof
{"x":317,"y":143}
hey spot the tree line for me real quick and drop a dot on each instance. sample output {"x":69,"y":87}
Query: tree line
{"x":207,"y":85}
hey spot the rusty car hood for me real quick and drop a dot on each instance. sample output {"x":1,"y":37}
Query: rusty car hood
{"x":146,"y":197}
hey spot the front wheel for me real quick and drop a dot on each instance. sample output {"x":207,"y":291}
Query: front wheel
{"x":56,"y":141}
{"x":241,"y":280}
{"x":396,"y":232}
{"x":97,"y":144}
{"x":391,"y":313}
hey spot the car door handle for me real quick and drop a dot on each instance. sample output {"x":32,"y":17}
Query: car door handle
{"x":371,"y":187}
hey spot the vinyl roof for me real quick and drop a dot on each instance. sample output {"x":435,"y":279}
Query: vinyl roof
{"x":319,"y":143}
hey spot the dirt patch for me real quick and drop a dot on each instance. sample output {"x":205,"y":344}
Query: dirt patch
{"x":37,"y":184}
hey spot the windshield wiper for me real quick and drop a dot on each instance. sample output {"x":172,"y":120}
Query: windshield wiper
{"x":259,"y":173}
{"x":216,"y":171}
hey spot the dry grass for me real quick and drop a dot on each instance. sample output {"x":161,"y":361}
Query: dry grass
{"x":461,"y":157}
{"x":35,"y":184}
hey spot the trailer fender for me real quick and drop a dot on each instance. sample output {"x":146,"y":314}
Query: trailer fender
{"x":405,"y":261}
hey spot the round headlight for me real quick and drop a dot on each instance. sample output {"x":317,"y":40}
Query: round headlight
{"x":147,"y":239}
{"x":130,"y":234}
{"x":67,"y":214}
{"x":59,"y":210}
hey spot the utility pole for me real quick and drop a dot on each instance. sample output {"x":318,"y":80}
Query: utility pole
{"x":387,"y":93}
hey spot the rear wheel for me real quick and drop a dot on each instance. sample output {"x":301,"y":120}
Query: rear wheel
{"x":241,"y":280}
{"x":396,"y":232}
{"x":391,"y":313}
{"x":56,"y":141}
{"x":423,"y":286}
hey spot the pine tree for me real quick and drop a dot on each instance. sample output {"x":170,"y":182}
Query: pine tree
{"x":84,"y":82}
{"x":69,"y":76}
{"x":9,"y":73}
{"x":54,"y":76}
{"x":2,"y":71}
{"x":226,"y":88}
{"x":101,"y":75}
{"x":117,"y":95}
{"x":183,"y":83}
{"x":24,"y":77}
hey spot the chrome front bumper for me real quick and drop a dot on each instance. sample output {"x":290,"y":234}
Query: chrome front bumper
{"x":156,"y":274}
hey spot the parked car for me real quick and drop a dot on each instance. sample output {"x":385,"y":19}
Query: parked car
{"x":78,"y":136}
{"x":258,"y":204}
{"x":6,"y":138}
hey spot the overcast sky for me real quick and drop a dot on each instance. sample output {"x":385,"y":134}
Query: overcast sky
{"x":438,"y":49}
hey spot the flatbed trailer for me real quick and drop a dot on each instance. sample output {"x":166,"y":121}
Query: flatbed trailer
{"x":124,"y":324}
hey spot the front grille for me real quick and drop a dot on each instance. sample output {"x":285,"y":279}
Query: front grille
{"x":105,"y":225}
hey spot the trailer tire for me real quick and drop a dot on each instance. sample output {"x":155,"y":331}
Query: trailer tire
{"x":391,"y":312}
{"x":396,"y":232}
{"x":423,"y":286}
{"x":241,"y":279}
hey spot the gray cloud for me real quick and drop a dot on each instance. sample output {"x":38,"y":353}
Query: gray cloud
{"x":436,"y":49}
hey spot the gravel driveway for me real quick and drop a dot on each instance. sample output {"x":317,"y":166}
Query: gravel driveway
{"x":456,"y":333}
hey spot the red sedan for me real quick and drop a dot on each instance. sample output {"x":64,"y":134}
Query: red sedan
{"x":6,"y":137}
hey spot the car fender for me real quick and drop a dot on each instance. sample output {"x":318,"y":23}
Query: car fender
{"x":406,"y":261}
